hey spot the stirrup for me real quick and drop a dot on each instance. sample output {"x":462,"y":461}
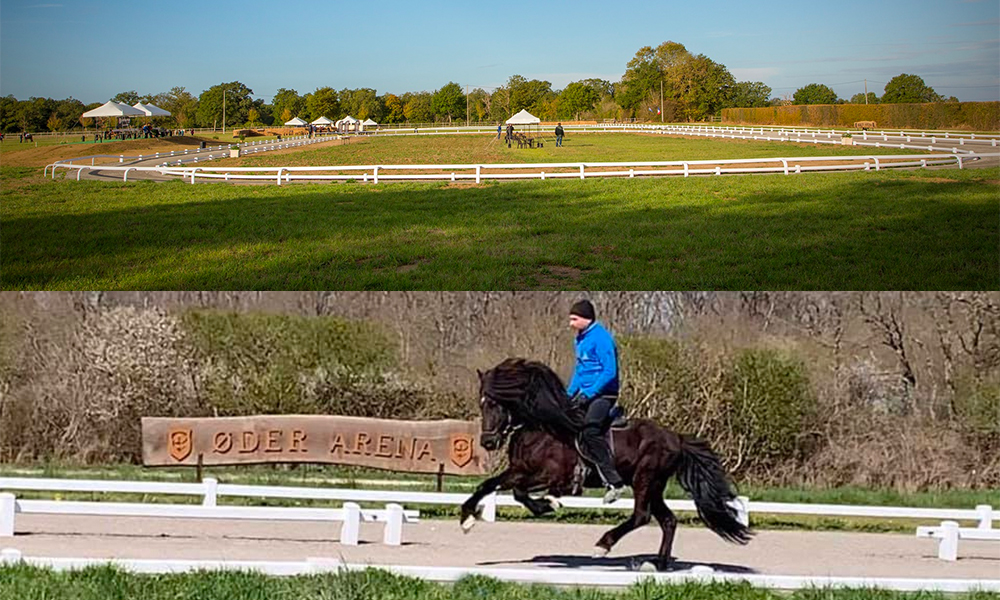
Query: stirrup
{"x":613,"y":494}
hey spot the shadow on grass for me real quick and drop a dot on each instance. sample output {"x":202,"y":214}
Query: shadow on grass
{"x":725,"y":233}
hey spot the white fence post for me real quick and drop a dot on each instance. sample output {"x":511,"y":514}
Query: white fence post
{"x":393,"y":534}
{"x":948,"y":548}
{"x":352,"y":524}
{"x":8,"y":506}
{"x":490,"y":508}
{"x":985,"y":516}
{"x":211,"y":491}
{"x":279,"y":175}
{"x":743,"y":510}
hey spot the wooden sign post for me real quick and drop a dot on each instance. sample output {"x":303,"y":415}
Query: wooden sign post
{"x":444,"y":447}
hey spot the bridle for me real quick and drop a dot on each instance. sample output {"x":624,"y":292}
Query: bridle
{"x":505,"y":428}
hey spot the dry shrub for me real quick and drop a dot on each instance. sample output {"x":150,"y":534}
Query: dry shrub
{"x":903,"y":453}
{"x":84,"y":391}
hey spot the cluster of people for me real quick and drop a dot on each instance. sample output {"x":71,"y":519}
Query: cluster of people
{"x":145,"y":132}
{"x":510,"y":134}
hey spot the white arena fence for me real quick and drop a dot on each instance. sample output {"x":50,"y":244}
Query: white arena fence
{"x":563,"y":577}
{"x":350,"y":515}
{"x":210,"y":490}
{"x":543,"y":171}
{"x":196,"y":154}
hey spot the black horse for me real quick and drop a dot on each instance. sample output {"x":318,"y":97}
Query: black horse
{"x":527,"y":402}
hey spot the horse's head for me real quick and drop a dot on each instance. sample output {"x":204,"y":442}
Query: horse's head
{"x":498,"y":421}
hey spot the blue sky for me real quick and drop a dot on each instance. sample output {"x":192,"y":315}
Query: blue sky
{"x":93,"y":49}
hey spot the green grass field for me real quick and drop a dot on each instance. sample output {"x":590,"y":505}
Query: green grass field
{"x":888,"y":230}
{"x":103,"y":583}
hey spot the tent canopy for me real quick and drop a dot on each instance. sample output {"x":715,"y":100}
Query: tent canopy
{"x":151,"y":110}
{"x":114,"y":109}
{"x":369,"y":123}
{"x":523,"y":118}
{"x":348,"y":120}
{"x":322,"y":121}
{"x":296,"y":122}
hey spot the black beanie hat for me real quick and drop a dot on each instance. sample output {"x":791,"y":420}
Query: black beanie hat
{"x":583,"y":308}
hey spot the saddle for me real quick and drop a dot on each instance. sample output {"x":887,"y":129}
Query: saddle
{"x":583,"y":469}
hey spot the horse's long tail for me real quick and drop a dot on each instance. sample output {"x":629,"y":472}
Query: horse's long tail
{"x":702,"y":476}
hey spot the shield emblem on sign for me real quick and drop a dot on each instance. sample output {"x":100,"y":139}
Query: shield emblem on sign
{"x":460,"y":450}
{"x":179,"y":443}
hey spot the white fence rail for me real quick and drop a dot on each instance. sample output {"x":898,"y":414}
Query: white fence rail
{"x":350,"y":515}
{"x":481,"y":172}
{"x":949,"y":533}
{"x":554,"y":576}
{"x":210,"y":489}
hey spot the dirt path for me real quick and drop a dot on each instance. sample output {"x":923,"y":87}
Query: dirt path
{"x":503,"y":545}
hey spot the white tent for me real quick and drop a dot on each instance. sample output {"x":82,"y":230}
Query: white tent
{"x":322,"y":121}
{"x":114,"y":109}
{"x":151,"y":110}
{"x":369,"y":123}
{"x":524,"y":118}
{"x":296,"y":122}
{"x":348,"y":123}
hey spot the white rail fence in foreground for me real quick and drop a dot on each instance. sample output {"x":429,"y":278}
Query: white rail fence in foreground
{"x":210,"y":490}
{"x":350,"y":515}
{"x":949,"y":533}
{"x":554,"y":576}
{"x":543,"y":171}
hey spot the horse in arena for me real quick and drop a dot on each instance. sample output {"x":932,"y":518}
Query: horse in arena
{"x":526,"y":402}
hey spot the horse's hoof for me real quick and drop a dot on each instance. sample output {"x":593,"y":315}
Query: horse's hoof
{"x":553,"y":502}
{"x":647,"y":567}
{"x":599,"y":552}
{"x":468,"y":523}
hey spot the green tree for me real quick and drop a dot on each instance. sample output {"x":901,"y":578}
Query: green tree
{"x":130,"y":97}
{"x":54,"y":123}
{"x":578,"y":97}
{"x":859,"y":98}
{"x":252,"y":116}
{"x":480,"y":103}
{"x":750,"y":94}
{"x":237,"y":104}
{"x":393,"y":109}
{"x":527,"y":94}
{"x":814,"y":93}
{"x":287,"y":100}
{"x":449,"y":102}
{"x":417,"y":108}
{"x":324,"y":102}
{"x":904,"y":89}
{"x":362,"y":103}
{"x":182,"y":105}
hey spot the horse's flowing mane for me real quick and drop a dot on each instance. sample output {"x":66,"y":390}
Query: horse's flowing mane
{"x":532,"y":391}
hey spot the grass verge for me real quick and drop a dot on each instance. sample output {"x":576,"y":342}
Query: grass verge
{"x":100,"y":583}
{"x":888,"y":230}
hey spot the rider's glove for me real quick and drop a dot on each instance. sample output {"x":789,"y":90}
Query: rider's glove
{"x":578,"y":400}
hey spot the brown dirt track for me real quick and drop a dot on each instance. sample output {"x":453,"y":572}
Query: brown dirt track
{"x":502,"y":545}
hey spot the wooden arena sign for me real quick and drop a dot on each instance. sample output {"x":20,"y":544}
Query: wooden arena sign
{"x":449,"y":446}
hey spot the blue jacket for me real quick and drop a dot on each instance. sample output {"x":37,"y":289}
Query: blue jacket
{"x":596,"y":370}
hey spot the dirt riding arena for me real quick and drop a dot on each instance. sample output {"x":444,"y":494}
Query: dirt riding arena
{"x":515,"y":545}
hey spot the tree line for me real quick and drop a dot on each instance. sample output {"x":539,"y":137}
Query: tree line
{"x":666,"y":83}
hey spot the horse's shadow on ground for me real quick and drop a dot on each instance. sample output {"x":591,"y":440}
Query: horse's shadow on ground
{"x":627,"y":563}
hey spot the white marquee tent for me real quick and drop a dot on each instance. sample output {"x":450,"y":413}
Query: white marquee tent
{"x":322,"y":121}
{"x":296,"y":122}
{"x":113,"y":109}
{"x":348,"y":123}
{"x":524,"y":118}
{"x":151,"y":110}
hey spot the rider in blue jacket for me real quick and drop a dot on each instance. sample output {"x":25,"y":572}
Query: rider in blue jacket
{"x":595,"y":386}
